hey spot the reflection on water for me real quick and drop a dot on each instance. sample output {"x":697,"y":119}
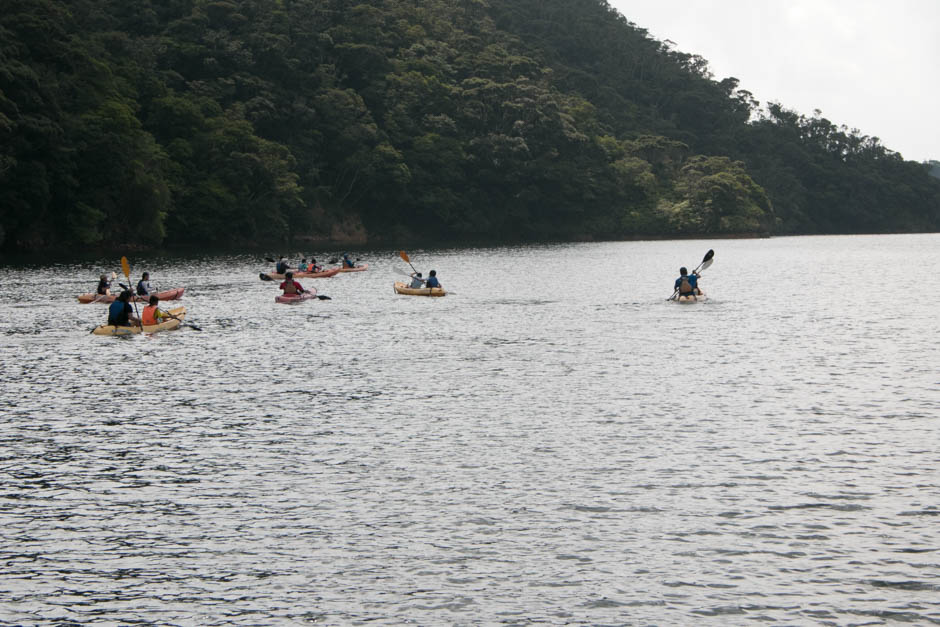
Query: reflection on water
{"x":553,"y":443}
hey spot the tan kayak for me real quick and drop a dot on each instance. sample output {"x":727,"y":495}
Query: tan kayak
{"x":401,"y":288}
{"x":169,"y":325}
{"x":689,"y":299}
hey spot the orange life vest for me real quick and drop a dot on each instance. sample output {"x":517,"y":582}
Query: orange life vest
{"x":149,"y":316}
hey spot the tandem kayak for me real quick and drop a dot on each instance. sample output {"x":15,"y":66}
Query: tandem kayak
{"x":361,"y":268}
{"x":174,"y":294}
{"x":401,"y":288}
{"x":689,"y":299}
{"x":274,"y":276}
{"x":296,"y":299}
{"x":169,"y":325}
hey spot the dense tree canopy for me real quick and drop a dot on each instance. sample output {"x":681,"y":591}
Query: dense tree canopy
{"x":147,"y":122}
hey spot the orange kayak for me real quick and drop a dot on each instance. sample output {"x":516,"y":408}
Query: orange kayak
{"x":174,"y":294}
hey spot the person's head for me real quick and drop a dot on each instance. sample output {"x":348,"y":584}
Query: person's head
{"x":304,"y":260}
{"x":683,"y":271}
{"x":289,"y":275}
{"x":154,"y":299}
{"x":125,"y":296}
{"x":432,"y":273}
{"x":146,"y":276}
{"x":312,"y":260}
{"x":104,"y":277}
{"x":418,"y":274}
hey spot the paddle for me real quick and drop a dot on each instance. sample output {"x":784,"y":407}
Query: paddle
{"x":706,"y":261}
{"x":404,"y":256}
{"x":126,"y":267}
{"x":182,"y":324}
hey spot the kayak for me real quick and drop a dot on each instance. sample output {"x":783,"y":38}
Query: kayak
{"x":274,"y":276}
{"x":169,"y":325}
{"x":174,"y":294}
{"x":295,"y":299}
{"x":361,"y":268}
{"x":688,"y":299}
{"x":401,"y":288}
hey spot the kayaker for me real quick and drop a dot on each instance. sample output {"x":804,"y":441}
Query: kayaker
{"x":104,"y":286}
{"x":432,"y":279}
{"x":687,"y":284}
{"x":314,"y":267}
{"x":303,"y":265}
{"x":120,"y":312}
{"x":143,"y":286}
{"x":290,"y":286}
{"x":347,"y":262}
{"x":152,"y":315}
{"x":416,"y":281}
{"x":281,"y":266}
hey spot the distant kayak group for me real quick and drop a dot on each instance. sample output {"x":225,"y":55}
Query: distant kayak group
{"x":124,"y":318}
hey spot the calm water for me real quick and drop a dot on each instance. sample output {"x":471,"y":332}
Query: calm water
{"x":553,"y":442}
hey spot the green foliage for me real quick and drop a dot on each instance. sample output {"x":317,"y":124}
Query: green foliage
{"x":136,"y":122}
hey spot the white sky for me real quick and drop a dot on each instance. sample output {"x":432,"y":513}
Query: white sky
{"x":873,"y":65}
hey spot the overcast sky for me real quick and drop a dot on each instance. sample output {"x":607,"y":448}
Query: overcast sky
{"x":873,"y":65}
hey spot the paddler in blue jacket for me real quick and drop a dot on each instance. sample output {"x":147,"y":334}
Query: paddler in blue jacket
{"x":690,"y":287}
{"x":120,"y":312}
{"x":432,"y":279}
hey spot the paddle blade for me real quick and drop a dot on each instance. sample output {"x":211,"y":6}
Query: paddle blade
{"x":323,"y":297}
{"x":269,"y":260}
{"x":264,"y":277}
{"x":705,"y":265}
{"x":126,"y":267}
{"x":708,"y":255}
{"x":404,"y":256}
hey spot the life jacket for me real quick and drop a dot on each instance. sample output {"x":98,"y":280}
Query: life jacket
{"x":148,"y":317}
{"x":118,"y":314}
{"x":289,"y":287}
{"x":684,"y":286}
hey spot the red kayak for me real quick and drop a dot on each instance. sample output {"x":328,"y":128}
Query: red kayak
{"x":296,"y":299}
{"x":174,"y":294}
{"x":274,"y":276}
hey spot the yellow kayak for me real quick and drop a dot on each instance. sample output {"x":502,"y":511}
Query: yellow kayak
{"x":169,"y":325}
{"x":401,"y":288}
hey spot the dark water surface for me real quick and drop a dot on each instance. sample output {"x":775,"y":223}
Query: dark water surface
{"x":552,"y":443}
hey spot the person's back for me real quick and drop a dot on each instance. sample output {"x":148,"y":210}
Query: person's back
{"x":432,"y":279}
{"x":347,"y":262}
{"x":119,"y":312}
{"x":416,"y":281}
{"x":143,"y":286}
{"x":290,"y":286}
{"x":281,"y":266}
{"x":683,"y":285}
{"x":104,"y":286}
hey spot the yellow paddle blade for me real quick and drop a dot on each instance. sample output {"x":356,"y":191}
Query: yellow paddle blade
{"x":404,"y":256}
{"x":126,"y":267}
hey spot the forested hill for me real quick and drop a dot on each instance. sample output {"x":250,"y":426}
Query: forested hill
{"x":182,"y":122}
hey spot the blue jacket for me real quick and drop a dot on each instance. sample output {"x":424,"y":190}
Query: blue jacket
{"x":119,"y":312}
{"x":433,"y":282}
